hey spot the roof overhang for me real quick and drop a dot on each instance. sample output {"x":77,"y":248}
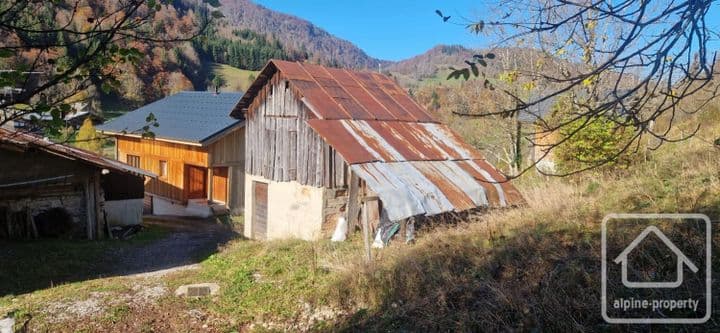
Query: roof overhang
{"x":137,"y":136}
{"x":23,"y":141}
{"x":219,"y":135}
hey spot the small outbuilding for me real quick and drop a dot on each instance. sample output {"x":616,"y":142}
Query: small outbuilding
{"x":324,"y":142}
{"x":197,"y":151}
{"x":51,"y":189}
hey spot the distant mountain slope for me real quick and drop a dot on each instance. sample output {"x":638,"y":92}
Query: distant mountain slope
{"x":297,"y":34}
{"x":429,"y":63}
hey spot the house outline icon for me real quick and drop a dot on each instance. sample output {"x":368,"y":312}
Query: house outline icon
{"x":622,"y":259}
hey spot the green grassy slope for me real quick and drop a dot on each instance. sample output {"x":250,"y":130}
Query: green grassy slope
{"x":235,"y":79}
{"x":532,"y":268}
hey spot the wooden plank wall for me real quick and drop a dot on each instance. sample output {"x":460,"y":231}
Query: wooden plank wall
{"x":230,"y":152}
{"x":281,"y":146}
{"x":151,"y":152}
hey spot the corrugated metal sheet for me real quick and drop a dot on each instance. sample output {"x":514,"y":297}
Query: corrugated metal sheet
{"x":341,"y":94}
{"x":417,"y":168}
{"x":427,"y":187}
{"x":25,"y":141}
{"x":360,"y":141}
{"x":416,"y":165}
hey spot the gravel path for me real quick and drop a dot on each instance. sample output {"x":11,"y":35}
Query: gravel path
{"x":189,"y":242}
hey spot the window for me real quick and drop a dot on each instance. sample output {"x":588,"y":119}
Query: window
{"x":163,"y":168}
{"x":133,"y":160}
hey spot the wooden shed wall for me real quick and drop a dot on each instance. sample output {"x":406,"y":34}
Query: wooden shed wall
{"x":70,"y":185}
{"x":229,"y":152}
{"x":151,"y":152}
{"x":281,"y":146}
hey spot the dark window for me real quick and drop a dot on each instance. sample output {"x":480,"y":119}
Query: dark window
{"x":133,"y":160}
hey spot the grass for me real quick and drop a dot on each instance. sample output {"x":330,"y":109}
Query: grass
{"x":235,"y":79}
{"x":532,"y":268}
{"x":32,"y":265}
{"x":269,"y":281}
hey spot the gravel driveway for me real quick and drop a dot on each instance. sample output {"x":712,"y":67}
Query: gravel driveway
{"x":188,"y":242}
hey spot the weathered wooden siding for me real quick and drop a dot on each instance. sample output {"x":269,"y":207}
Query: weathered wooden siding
{"x":281,"y":146}
{"x":229,"y":152}
{"x":151,"y":152}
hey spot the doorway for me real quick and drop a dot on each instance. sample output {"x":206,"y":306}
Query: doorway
{"x":260,"y":210}
{"x":195,"y":182}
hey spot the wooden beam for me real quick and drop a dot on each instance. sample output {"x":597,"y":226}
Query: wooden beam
{"x":88,"y":208}
{"x":98,"y":206}
{"x":32,"y":228}
{"x":209,"y":187}
{"x":370,"y":198}
{"x":366,"y":232}
{"x":353,"y":205}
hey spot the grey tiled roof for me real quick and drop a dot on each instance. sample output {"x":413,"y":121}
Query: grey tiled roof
{"x":192,"y":116}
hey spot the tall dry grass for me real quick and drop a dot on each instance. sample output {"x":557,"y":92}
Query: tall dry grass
{"x":534,"y":267}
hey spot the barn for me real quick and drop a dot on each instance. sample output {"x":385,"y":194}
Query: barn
{"x":197,"y":152}
{"x":325,"y":143}
{"x":50,"y":189}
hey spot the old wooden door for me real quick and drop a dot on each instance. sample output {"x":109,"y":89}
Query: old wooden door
{"x":260,"y":210}
{"x":220,"y":184}
{"x":196,"y":184}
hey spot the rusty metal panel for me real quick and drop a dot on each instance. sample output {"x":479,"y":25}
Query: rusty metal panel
{"x":493,"y":190}
{"x":460,"y":200}
{"x":374,"y":109}
{"x":372,"y":86}
{"x":373,"y":140}
{"x":401,"y":97}
{"x":426,"y":192}
{"x":318,"y":101}
{"x":292,"y":70}
{"x":512,"y":195}
{"x":464,"y":181}
{"x":451,"y":142}
{"x":335,"y":134}
{"x":425,"y":187}
{"x":398,"y":201}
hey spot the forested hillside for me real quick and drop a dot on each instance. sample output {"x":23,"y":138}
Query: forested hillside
{"x":246,"y":36}
{"x":296,"y":34}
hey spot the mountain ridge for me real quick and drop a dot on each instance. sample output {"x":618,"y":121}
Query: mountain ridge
{"x":298,"y":34}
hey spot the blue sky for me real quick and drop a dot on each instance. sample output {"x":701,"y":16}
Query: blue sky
{"x":400,"y":29}
{"x":389,"y":29}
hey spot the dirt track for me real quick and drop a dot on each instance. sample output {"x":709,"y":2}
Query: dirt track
{"x":189,"y":242}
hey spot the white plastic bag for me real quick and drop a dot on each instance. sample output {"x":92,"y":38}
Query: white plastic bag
{"x":340,"y":230}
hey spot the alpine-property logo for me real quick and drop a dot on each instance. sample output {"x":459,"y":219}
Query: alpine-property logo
{"x":656,"y":268}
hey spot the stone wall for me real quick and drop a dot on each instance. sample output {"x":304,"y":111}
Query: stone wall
{"x":69,"y":198}
{"x":334,"y":206}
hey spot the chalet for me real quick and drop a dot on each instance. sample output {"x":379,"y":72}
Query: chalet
{"x":50,"y":189}
{"x":325,"y":143}
{"x":197,"y":151}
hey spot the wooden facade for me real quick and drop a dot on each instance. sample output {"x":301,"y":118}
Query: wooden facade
{"x":187,"y":171}
{"x":71,"y":198}
{"x":282,"y":147}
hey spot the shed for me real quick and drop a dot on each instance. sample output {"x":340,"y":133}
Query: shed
{"x":51,"y":189}
{"x":197,"y":151}
{"x":321,"y":140}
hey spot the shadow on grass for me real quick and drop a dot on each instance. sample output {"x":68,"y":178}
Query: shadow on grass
{"x":164,"y":243}
{"x":541,"y":278}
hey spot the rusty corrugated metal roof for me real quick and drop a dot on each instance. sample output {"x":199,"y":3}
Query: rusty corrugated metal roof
{"x":25,"y":141}
{"x":416,"y":165}
{"x":333,"y":93}
{"x":360,"y":141}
